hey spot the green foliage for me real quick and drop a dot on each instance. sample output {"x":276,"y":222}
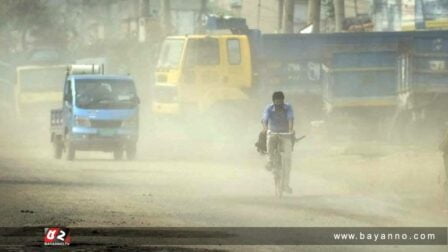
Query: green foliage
{"x":19,"y":14}
{"x":32,"y":18}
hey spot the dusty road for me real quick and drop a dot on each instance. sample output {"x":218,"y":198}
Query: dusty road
{"x":180,"y":182}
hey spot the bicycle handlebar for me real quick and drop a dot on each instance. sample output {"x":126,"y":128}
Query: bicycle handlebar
{"x":286,"y":134}
{"x":281,"y":133}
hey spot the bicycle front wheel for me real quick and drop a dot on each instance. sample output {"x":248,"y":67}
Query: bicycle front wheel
{"x":278,"y":182}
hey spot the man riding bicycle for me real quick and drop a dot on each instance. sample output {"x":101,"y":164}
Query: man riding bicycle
{"x":278,"y":117}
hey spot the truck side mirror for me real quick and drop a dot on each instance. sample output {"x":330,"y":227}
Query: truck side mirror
{"x":68,"y":101}
{"x":68,"y":105}
{"x":68,"y":98}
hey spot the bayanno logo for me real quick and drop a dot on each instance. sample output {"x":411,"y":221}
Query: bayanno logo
{"x":57,"y":236}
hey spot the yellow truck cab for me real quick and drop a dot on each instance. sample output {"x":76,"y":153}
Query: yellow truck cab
{"x":197,"y":71}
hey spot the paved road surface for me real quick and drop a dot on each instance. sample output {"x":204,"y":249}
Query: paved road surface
{"x":180,"y":181}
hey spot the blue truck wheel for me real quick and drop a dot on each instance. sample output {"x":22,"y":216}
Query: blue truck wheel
{"x":57,"y":149}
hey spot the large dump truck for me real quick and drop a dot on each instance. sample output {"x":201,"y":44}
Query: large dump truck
{"x":360,"y":93}
{"x":196,"y":71}
{"x":235,"y":73}
{"x":210,"y":76}
{"x":250,"y":67}
{"x":353,"y":78}
{"x":372,"y":82}
{"x":423,"y":88}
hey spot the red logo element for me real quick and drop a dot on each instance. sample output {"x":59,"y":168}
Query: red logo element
{"x":57,"y":236}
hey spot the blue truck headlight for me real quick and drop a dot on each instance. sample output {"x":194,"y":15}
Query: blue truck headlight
{"x":82,"y":121}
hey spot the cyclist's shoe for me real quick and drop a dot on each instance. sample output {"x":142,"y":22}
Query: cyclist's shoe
{"x":269,"y":166}
{"x":287,"y":189}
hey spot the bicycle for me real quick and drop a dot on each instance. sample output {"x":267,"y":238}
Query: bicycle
{"x":278,"y":162}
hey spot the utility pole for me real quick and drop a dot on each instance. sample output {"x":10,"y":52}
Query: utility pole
{"x":339,"y":14}
{"x":281,"y":7}
{"x":288,"y":16}
{"x":314,"y":14}
{"x":145,"y":8}
{"x":166,"y":15}
{"x":203,"y":10}
{"x":258,"y":14}
{"x":199,"y":27}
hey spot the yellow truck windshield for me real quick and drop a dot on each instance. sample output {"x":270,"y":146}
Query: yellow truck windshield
{"x":171,"y":53}
{"x":202,"y":52}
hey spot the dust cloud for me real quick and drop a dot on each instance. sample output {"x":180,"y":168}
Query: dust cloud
{"x":360,"y":163}
{"x":203,"y":168}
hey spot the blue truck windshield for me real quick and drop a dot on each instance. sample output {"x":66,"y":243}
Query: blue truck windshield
{"x":105,"y":94}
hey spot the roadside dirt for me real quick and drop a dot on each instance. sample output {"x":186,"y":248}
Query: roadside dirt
{"x":181,"y":181}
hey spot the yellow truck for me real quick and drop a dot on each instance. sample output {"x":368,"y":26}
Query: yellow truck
{"x":37,"y":88}
{"x":197,"y":71}
{"x":234,"y":74}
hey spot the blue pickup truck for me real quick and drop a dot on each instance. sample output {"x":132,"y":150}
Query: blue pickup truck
{"x":99,"y":113}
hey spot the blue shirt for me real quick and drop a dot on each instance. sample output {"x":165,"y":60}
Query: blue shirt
{"x":278,"y":120}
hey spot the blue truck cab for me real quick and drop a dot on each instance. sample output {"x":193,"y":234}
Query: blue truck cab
{"x":99,"y":113}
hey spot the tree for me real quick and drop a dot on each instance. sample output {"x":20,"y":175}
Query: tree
{"x":33,"y":20}
{"x":314,"y":14}
{"x":288,"y":16}
{"x":339,"y":14}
